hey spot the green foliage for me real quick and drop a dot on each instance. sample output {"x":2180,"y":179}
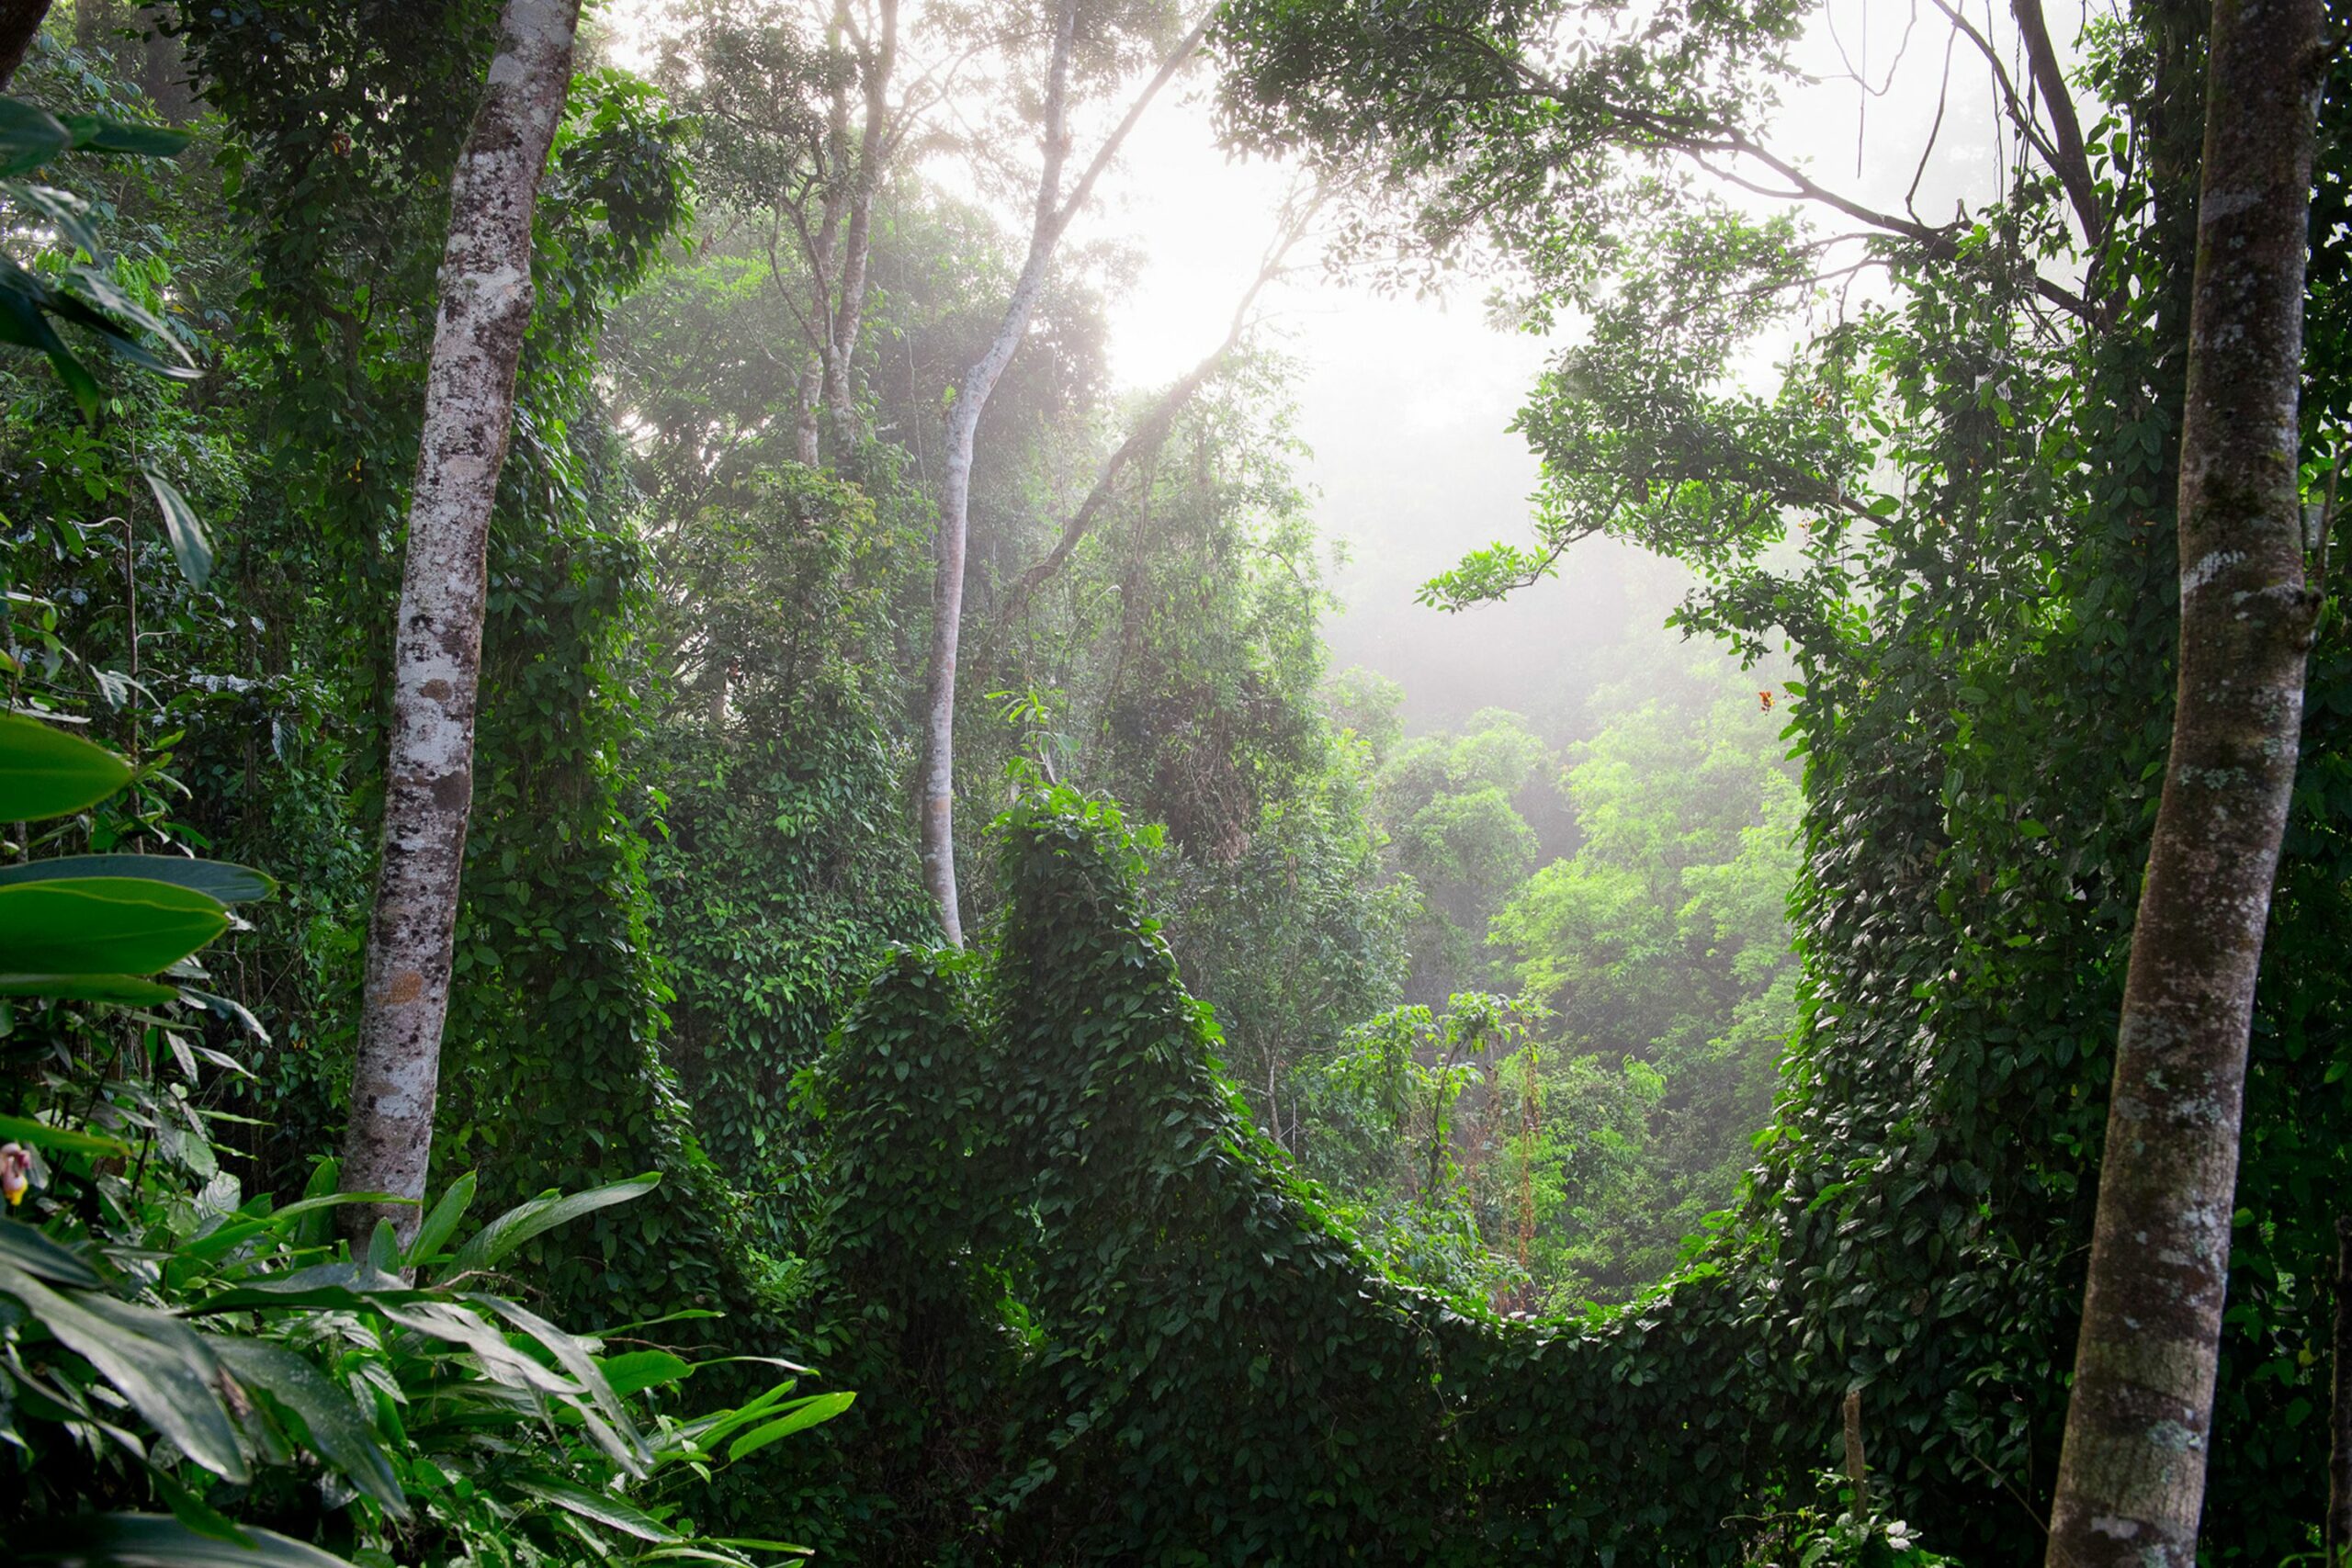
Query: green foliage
{"x":1662,"y":945}
{"x":1955,"y":512}
{"x":1117,"y":1325}
{"x":164,"y":1339}
{"x":78,"y":291}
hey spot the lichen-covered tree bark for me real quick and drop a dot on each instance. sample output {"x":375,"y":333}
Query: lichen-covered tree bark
{"x":2132,"y":1475}
{"x":486,"y":302}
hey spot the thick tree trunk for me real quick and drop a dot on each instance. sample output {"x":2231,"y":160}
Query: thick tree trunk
{"x":936,"y":784}
{"x":436,"y":661}
{"x":162,"y":69}
{"x":2131,"y":1474}
{"x":20,"y":23}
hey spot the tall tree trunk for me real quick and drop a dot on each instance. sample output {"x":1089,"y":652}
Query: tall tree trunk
{"x":2131,"y":1474}
{"x":162,"y":68}
{"x":20,"y":23}
{"x":486,"y":302}
{"x":938,"y":811}
{"x":879,"y":61}
{"x":936,"y":803}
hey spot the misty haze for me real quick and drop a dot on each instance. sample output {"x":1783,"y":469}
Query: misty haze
{"x":1042,"y":782}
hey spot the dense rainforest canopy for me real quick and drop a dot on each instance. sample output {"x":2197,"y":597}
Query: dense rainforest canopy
{"x":679,"y":882}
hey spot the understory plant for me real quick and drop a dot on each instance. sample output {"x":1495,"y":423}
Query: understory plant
{"x":191,"y":1374}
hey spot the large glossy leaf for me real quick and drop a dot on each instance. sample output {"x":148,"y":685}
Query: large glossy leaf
{"x":797,"y":1416}
{"x":602,"y":1507}
{"x":634,"y":1372}
{"x":129,"y":989}
{"x":332,"y":1422}
{"x":105,"y":925}
{"x":44,"y":1260}
{"x":620,"y":1439}
{"x":153,"y":1540}
{"x":228,"y":882}
{"x":23,"y":303}
{"x":152,"y":1359}
{"x":442,"y":1223}
{"x":94,"y":134}
{"x":524,"y":1221}
{"x":46,"y":773}
{"x":29,"y":137}
{"x":499,"y":1361}
{"x":224,"y":1237}
{"x":189,"y":545}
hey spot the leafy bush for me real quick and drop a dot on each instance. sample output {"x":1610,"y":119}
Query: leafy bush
{"x":164,"y":1339}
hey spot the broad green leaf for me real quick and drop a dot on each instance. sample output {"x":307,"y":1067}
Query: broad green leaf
{"x":346,"y":1287}
{"x":608,"y":1511}
{"x":37,"y":1254}
{"x":801,"y":1414}
{"x":707,"y":1430}
{"x":29,"y":137}
{"x":189,"y":545}
{"x":636,"y":1370}
{"x":25,"y":1130}
{"x":94,"y":134}
{"x":152,"y":1359}
{"x":455,"y":1326}
{"x":219,"y":1241}
{"x":524,"y":1221}
{"x":228,"y":882}
{"x":46,"y":773}
{"x":153,"y":1540}
{"x":332,"y":1422}
{"x":105,"y":925}
{"x":384,"y":1247}
{"x":442,"y":1223}
{"x":129,"y":989}
{"x":574,"y":1359}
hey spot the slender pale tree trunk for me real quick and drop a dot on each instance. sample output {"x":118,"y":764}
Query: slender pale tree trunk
{"x":955,"y":494}
{"x":20,"y":23}
{"x":2131,"y":1474}
{"x":879,"y":61}
{"x":437,"y":659}
{"x":936,"y":802}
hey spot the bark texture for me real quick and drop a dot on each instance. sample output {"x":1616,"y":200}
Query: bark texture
{"x":486,"y":302}
{"x":2131,"y":1474}
{"x":935,"y":806}
{"x":20,"y":23}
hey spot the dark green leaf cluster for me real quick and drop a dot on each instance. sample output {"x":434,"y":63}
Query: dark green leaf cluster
{"x":1115,"y":1325}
